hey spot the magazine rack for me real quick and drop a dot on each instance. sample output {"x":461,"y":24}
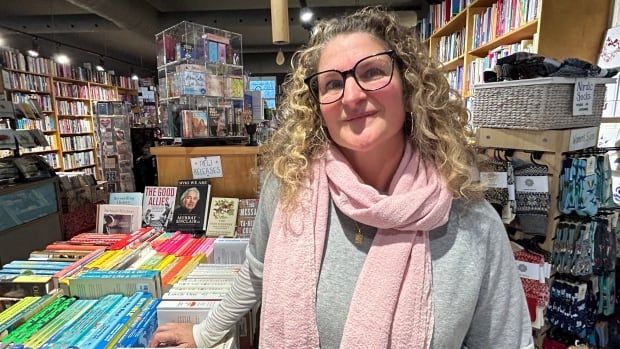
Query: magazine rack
{"x":200,"y":73}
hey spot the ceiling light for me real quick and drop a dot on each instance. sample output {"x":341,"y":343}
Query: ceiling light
{"x":99,"y":66}
{"x":62,"y":58}
{"x":133,"y":75}
{"x":306,"y":14}
{"x":34,"y":51}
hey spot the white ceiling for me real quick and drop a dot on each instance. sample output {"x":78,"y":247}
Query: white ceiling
{"x":125,"y":29}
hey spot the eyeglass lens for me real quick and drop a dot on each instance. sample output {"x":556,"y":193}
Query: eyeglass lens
{"x":371,"y":73}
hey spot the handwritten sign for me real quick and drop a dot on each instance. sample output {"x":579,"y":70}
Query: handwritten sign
{"x":583,"y":96}
{"x":206,"y":167}
{"x":582,"y":138}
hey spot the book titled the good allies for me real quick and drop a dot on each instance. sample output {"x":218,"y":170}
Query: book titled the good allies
{"x":158,"y":205}
{"x":191,"y":205}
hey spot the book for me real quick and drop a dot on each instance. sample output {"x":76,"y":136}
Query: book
{"x":246,"y":216}
{"x":215,"y":85}
{"x":221,"y":52}
{"x":191,"y":79}
{"x":222,"y":217}
{"x":158,"y":205}
{"x":113,"y":219}
{"x":235,"y":87}
{"x":133,"y":199}
{"x":191,"y":205}
{"x":212,"y":51}
{"x":197,"y":121}
{"x":229,"y":251}
{"x":217,"y":121}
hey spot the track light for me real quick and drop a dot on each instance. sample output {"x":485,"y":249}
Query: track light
{"x":61,"y":58}
{"x":305,"y":13}
{"x":99,"y":66}
{"x":34,"y":51}
{"x":133,"y":75}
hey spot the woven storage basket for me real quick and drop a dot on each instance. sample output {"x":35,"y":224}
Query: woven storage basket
{"x":540,"y":104}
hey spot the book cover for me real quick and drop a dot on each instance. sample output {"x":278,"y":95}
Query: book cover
{"x":133,"y":199}
{"x":186,"y":123}
{"x":191,"y":81}
{"x":191,"y":205}
{"x":184,"y":50}
{"x":217,"y":121}
{"x":221,"y":52}
{"x":199,"y":123}
{"x":114,"y":219}
{"x":212,"y":51}
{"x":215,"y":85}
{"x":236,"y":87}
{"x":158,"y":204}
{"x":222,"y":217}
{"x":246,"y":216}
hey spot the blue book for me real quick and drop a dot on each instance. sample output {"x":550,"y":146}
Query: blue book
{"x":213,"y":51}
{"x":137,"y":330}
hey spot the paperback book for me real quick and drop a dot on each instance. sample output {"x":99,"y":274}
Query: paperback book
{"x":191,"y":205}
{"x":157,"y":206}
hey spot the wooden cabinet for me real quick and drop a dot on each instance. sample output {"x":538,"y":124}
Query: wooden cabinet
{"x":238,"y":166}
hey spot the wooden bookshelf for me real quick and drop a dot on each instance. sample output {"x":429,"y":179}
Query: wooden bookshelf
{"x":562,"y":29}
{"x":51,"y":80}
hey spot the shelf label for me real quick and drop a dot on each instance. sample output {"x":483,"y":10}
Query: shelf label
{"x":206,"y":167}
{"x":583,"y":96}
{"x":582,"y":138}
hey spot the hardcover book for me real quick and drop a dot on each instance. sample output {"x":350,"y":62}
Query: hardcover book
{"x":221,"y":52}
{"x":191,"y":206}
{"x":115,"y":219}
{"x":158,"y":205}
{"x":191,"y":79}
{"x":222,"y":217}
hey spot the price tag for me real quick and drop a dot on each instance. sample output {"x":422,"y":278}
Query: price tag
{"x":583,"y":96}
{"x":206,"y":167}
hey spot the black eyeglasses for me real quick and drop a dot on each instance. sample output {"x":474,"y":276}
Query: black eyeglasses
{"x":370,"y":73}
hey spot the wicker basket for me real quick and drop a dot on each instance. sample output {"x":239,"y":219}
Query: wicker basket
{"x":540,"y":104}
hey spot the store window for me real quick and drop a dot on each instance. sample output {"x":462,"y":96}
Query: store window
{"x":267,"y":85}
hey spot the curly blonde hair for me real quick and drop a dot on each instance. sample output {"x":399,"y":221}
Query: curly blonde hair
{"x":436,"y":118}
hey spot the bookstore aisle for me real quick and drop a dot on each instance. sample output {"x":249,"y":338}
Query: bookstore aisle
{"x":98,"y":254}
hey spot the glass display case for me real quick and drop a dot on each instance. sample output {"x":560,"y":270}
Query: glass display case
{"x":30,"y":217}
{"x":201,"y":82}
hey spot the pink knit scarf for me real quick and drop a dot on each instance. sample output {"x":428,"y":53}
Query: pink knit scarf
{"x":391,"y":306}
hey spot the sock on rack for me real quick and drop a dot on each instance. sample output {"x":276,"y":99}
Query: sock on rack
{"x":532,"y":201}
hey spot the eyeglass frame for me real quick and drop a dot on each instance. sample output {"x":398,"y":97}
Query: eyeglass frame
{"x":345,"y":74}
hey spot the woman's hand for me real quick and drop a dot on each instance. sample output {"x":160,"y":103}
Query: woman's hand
{"x":174,"y":335}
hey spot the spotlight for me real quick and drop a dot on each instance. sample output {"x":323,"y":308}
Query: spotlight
{"x":305,"y":13}
{"x":133,"y":75}
{"x":62,"y":58}
{"x":34,"y":51}
{"x":99,"y":66}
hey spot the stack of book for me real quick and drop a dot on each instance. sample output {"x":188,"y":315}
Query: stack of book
{"x":60,"y":321}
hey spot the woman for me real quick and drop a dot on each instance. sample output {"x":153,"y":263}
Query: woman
{"x":369,"y":232}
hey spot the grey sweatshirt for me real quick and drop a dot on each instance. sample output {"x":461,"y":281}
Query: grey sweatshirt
{"x":478,"y":300}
